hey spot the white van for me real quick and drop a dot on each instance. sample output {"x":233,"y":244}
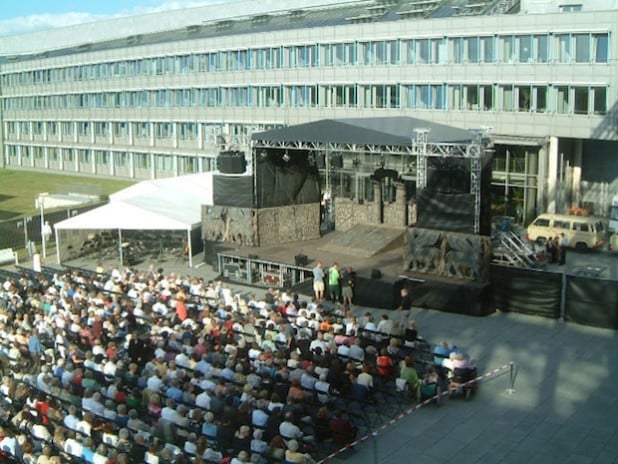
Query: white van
{"x":613,"y":242}
{"x":583,"y":232}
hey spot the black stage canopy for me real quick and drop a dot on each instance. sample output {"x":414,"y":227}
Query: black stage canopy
{"x":398,"y":130}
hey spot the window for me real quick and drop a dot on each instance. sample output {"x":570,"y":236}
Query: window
{"x":488,"y":97}
{"x":84,"y":128}
{"x":121,"y":129}
{"x":570,"y":8}
{"x":539,"y":102}
{"x":525,"y":48}
{"x":142,"y":130}
{"x":600,"y":43}
{"x":101,"y":129}
{"x":542,"y":222}
{"x":68,"y":155}
{"x":164,"y":130}
{"x":438,"y":51}
{"x":456,"y":97}
{"x":102,"y":157}
{"x":458,"y":49}
{"x":52,"y":129}
{"x":507,"y":98}
{"x":581,"y":97}
{"x":472,"y":97}
{"x":581,"y":227}
{"x":393,"y":51}
{"x":38,"y":128}
{"x":142,"y":161}
{"x":84,"y":156}
{"x":164,"y":162}
{"x":68,"y":128}
{"x":561,"y":224}
{"x":562,"y":100}
{"x":508,"y":49}
{"x":472,"y":49}
{"x":488,"y":49}
{"x":582,"y":48}
{"x":599,"y":100}
{"x":338,"y":50}
{"x":523,"y":99}
{"x":541,"y":48}
{"x":564,"y":48}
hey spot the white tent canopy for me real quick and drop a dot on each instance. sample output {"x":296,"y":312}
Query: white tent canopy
{"x":163,"y":204}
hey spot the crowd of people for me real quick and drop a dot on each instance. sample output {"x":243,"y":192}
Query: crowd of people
{"x":119,"y":366}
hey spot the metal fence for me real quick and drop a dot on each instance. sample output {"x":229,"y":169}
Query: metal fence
{"x":18,"y":233}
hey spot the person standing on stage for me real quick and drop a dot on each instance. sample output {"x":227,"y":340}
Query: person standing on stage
{"x":318,"y":281}
{"x":334,"y":286}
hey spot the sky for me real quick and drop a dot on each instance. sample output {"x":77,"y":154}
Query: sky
{"x":21,"y":16}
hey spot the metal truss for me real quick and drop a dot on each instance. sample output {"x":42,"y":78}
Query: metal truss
{"x":420,"y":149}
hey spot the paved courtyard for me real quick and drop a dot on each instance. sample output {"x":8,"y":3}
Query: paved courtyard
{"x":564,"y":408}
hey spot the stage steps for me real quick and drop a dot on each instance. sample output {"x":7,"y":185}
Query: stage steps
{"x":516,"y":252}
{"x":365,"y":241}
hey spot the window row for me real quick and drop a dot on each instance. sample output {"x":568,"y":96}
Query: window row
{"x":102,"y":158}
{"x":210,"y":133}
{"x":485,"y":97}
{"x":511,"y":48}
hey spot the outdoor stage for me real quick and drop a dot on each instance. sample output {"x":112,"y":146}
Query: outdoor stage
{"x":376,"y":255}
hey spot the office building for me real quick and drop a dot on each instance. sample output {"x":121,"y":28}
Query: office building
{"x":162,"y":94}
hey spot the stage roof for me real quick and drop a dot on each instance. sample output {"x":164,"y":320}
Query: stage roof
{"x":399,"y":131}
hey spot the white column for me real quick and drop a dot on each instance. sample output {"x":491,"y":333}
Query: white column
{"x":132,"y":165}
{"x":553,"y":164}
{"x":576,"y":194}
{"x":112,"y":164}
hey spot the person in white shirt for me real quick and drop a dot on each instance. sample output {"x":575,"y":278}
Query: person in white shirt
{"x":203,"y":400}
{"x":365,"y":378}
{"x":72,"y":447}
{"x":154,"y":382}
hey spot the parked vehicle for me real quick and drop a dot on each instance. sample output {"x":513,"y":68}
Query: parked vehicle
{"x":582,"y":232}
{"x":613,"y":242}
{"x":613,"y":216}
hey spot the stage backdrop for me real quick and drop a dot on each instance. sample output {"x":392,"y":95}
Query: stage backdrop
{"x":447,"y":254}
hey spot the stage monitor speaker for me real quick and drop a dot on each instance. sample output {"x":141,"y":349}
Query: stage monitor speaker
{"x":231,"y":164}
{"x":376,"y":274}
{"x":301,"y":260}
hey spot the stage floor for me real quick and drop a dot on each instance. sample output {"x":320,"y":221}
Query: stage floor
{"x":389,"y":262}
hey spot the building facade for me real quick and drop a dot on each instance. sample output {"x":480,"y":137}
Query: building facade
{"x":161,"y":95}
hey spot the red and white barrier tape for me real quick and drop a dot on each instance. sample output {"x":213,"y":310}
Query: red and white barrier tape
{"x":409,"y":411}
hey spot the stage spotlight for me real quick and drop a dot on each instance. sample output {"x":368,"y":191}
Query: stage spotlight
{"x":286,"y":157}
{"x":263,"y":154}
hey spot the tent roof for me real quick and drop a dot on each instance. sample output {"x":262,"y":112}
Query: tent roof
{"x":366,"y":131}
{"x":121,"y":216}
{"x":162,"y":204}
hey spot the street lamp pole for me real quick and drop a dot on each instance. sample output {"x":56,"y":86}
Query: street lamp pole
{"x":45,"y":228}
